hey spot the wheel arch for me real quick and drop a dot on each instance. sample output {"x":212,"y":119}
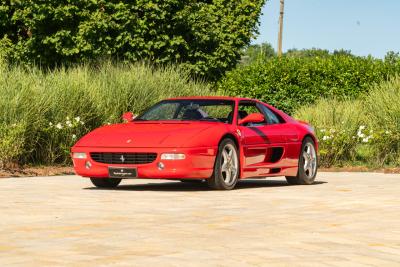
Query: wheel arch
{"x":313,"y":137}
{"x":230,"y":136}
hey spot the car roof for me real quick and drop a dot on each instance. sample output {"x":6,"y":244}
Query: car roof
{"x":281,"y":113}
{"x":211,"y":98}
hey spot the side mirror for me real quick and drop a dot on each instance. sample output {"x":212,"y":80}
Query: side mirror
{"x":128,"y":117}
{"x":253,"y":118}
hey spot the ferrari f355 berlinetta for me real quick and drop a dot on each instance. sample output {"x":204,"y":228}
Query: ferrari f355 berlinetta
{"x":219,"y":140}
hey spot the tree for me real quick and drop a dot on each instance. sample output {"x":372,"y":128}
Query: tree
{"x":256,"y":52}
{"x":206,"y":36}
{"x":313,"y":52}
{"x":392,"y":57}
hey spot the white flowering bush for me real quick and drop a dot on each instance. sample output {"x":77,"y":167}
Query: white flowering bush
{"x":59,"y":136}
{"x":337,"y":147}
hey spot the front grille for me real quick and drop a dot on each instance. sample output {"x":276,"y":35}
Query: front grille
{"x":123,"y":158}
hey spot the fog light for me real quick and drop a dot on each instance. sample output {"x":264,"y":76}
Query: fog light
{"x":160,"y":166}
{"x":88,"y":165}
{"x":79,"y":155}
{"x":172,"y":156}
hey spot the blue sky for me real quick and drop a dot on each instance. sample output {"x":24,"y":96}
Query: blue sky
{"x":365,"y":27}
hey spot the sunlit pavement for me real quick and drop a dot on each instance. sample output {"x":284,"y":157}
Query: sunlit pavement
{"x":345,"y":219}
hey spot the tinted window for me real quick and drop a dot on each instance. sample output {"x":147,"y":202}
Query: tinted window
{"x":247,"y":107}
{"x":271,"y":117}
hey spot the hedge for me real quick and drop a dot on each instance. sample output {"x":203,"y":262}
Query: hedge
{"x":291,"y":82}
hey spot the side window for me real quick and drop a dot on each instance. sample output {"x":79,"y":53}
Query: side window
{"x":246,"y":107}
{"x":271,"y":117}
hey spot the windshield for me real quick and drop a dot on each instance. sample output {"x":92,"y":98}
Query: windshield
{"x":190,"y":110}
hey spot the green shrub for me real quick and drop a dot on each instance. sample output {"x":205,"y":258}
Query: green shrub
{"x":292,"y":82}
{"x":51,"y":109}
{"x":364,"y":131}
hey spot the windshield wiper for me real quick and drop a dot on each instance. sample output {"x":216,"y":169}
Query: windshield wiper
{"x":209,"y":119}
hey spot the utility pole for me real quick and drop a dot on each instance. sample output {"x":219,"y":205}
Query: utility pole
{"x":280,"y":28}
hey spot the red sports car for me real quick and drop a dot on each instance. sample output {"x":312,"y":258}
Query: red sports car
{"x":217,"y":139}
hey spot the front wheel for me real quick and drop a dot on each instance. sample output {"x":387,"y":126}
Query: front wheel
{"x":105,"y":182}
{"x":226,"y":167}
{"x":307,"y":170}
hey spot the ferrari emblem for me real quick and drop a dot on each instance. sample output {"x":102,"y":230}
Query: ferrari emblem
{"x":122,"y":158}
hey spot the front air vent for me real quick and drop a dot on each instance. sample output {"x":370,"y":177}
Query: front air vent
{"x":123,"y":158}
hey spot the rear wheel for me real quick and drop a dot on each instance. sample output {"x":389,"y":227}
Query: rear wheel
{"x":105,"y":182}
{"x":307,"y":170}
{"x":226,"y":167}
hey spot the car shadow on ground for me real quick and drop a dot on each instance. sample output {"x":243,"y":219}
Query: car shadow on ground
{"x":198,"y":186}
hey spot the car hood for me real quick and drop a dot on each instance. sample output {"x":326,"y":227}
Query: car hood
{"x":146,"y":134}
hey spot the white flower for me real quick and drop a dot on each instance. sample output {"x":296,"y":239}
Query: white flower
{"x":69,"y":124}
{"x":332,"y":130}
{"x":78,"y":119}
{"x":360,"y":134}
{"x":325,"y":138}
{"x":67,"y":118}
{"x":353,"y":137}
{"x":59,"y":126}
{"x":322,"y":130}
{"x":82,"y":123}
{"x":74,"y":136}
{"x":50,"y":124}
{"x":387,"y":132}
{"x":13,"y":125}
{"x":362,"y":127}
{"x":365,"y":140}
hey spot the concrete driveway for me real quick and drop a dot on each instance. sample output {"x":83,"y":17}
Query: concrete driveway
{"x":345,"y":219}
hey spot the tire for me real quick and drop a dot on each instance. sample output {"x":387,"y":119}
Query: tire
{"x":308,"y":164}
{"x":105,"y":182}
{"x":226,"y":167}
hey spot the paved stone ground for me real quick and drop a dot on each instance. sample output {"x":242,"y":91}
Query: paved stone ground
{"x":346,"y":219}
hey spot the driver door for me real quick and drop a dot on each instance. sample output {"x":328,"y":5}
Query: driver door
{"x":263,"y":143}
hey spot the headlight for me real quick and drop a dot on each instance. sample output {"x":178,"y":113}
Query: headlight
{"x":172,"y":156}
{"x":79,"y":155}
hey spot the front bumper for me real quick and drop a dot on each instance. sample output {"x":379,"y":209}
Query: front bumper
{"x":199,"y":163}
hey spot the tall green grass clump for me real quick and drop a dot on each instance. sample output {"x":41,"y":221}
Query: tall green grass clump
{"x":364,"y":131}
{"x":382,"y":107}
{"x":43,"y":113}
